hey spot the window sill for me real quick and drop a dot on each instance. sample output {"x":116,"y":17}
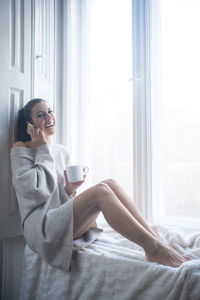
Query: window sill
{"x":186,"y":224}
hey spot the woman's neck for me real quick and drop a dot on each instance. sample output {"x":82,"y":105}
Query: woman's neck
{"x":48,"y":139}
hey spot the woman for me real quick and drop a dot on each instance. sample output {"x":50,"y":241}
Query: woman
{"x":53,"y":217}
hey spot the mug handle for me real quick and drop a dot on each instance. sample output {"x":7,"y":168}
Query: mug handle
{"x":85,"y":169}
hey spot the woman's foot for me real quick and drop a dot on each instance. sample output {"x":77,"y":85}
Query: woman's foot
{"x":165,"y":255}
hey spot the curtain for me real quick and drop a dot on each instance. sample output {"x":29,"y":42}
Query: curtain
{"x":98,"y":91}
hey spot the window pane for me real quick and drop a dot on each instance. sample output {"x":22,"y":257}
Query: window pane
{"x":180,"y":103}
{"x":110,"y":91}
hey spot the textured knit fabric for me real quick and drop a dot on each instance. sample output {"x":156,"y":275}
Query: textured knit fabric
{"x":45,"y":208}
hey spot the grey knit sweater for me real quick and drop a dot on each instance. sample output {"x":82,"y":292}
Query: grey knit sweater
{"x":45,"y":208}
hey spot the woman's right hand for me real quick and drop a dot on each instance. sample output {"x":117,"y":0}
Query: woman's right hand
{"x":71,"y":187}
{"x":37,"y":136}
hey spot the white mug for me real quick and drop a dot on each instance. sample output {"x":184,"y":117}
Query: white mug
{"x":76,"y":173}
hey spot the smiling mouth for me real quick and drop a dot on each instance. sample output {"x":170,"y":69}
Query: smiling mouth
{"x":50,"y":126}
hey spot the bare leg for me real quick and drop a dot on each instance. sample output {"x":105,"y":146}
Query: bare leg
{"x":101,"y":198}
{"x":135,"y":212}
{"x":126,"y":201}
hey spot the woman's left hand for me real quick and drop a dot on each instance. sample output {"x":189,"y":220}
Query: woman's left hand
{"x":71,"y":187}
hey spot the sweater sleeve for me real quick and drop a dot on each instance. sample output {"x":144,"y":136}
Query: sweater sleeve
{"x":34,"y":174}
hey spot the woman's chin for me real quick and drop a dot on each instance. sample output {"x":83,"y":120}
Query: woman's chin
{"x":50,"y":131}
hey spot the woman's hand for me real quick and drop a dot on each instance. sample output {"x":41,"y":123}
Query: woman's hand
{"x":71,"y":187}
{"x":37,"y":135}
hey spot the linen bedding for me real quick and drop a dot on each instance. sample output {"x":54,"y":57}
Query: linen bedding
{"x":113,"y":268}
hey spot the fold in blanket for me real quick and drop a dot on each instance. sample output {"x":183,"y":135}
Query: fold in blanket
{"x":114,"y":268}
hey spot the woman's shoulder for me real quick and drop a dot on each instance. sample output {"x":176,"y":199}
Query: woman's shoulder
{"x":19,"y":144}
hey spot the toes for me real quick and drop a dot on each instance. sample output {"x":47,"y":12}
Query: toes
{"x":187,"y":257}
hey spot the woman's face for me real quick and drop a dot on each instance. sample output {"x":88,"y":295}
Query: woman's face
{"x":43,"y":118}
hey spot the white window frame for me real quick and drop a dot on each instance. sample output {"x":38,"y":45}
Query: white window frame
{"x":142,"y":149}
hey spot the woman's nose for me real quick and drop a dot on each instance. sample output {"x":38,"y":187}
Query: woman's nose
{"x":48,"y":117}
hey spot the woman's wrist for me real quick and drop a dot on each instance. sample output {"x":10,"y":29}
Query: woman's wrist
{"x":70,"y":194}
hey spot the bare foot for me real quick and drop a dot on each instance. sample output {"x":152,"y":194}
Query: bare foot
{"x":176,"y":250}
{"x":165,"y":255}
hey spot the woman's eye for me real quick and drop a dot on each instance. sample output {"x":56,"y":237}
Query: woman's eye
{"x":40,"y":115}
{"x":44,"y":114}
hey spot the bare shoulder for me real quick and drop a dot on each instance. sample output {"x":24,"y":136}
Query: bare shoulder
{"x":19,"y":144}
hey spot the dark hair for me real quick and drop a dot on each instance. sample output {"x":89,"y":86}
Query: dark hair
{"x":24,"y":116}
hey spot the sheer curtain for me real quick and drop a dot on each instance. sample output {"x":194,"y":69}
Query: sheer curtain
{"x":97,"y":89}
{"x":74,"y":74}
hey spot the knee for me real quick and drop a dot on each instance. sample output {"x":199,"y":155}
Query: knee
{"x":103,"y":190}
{"x":110,"y":182}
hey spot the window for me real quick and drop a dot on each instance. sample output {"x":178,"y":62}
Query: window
{"x":175,"y":112}
{"x":154,"y":133}
{"x":109,"y":91}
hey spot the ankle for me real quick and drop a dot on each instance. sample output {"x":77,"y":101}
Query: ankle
{"x":152,"y":246}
